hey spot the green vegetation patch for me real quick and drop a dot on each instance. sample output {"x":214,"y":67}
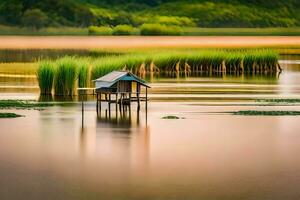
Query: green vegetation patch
{"x":123,"y":29}
{"x":278,"y":100}
{"x":160,"y":29}
{"x":170,"y":117}
{"x":65,"y":76}
{"x":10,"y":115}
{"x":266,"y":113}
{"x":45,"y":76}
{"x":100,"y":30}
{"x":25,"y":104}
{"x":70,"y":70}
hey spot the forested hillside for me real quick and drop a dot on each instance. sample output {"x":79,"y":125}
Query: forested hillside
{"x":197,"y":13}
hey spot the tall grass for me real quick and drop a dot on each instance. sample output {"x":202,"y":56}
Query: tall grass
{"x":106,"y":65}
{"x":70,"y":69}
{"x":65,"y":76}
{"x":219,"y":60}
{"x":45,"y":77}
{"x":83,"y":73}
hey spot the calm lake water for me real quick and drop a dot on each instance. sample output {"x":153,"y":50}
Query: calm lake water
{"x":206,"y":154}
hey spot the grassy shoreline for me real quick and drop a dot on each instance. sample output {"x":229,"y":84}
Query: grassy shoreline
{"x":186,"y":31}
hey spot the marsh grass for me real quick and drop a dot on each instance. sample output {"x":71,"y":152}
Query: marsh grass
{"x":45,"y":77}
{"x":65,"y":76}
{"x":83,"y":73}
{"x":70,"y":69}
{"x":215,"y":61}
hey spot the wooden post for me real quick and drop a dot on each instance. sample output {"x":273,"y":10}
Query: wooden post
{"x":117,"y":107}
{"x":116,"y":100}
{"x":129,"y":99}
{"x":146,"y":98}
{"x":138,"y":94}
{"x":97,"y":105}
{"x":109,"y":98}
{"x":109,"y":111}
{"x":82,"y":112}
{"x":138,"y":116}
{"x":120,"y":104}
{"x":99,"y":102}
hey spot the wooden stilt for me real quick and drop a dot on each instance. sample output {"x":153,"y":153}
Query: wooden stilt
{"x":82,"y":113}
{"x":97,"y":104}
{"x":117,"y":107}
{"x":146,"y":98}
{"x":129,"y":103}
{"x":109,"y":99}
{"x":100,"y":102}
{"x":138,"y":94}
{"x":129,"y":113}
{"x":120,"y":104}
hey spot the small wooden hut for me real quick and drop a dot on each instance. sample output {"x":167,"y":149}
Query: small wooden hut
{"x":120,"y":87}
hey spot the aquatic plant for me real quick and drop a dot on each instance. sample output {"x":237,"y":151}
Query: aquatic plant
{"x":83,"y":73}
{"x":266,"y":113}
{"x":10,"y":115}
{"x":25,"y":104}
{"x":65,"y":76}
{"x":279,"y":100}
{"x":106,"y":65}
{"x":69,"y":69}
{"x":45,"y":77}
{"x":170,"y":117}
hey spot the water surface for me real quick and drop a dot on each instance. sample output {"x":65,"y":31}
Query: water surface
{"x":206,"y":154}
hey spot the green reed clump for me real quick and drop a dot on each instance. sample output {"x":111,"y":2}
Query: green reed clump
{"x":205,"y":60}
{"x":45,"y":76}
{"x":65,"y":76}
{"x":106,"y":65}
{"x":83,"y":73}
{"x":234,"y":61}
{"x":259,"y":60}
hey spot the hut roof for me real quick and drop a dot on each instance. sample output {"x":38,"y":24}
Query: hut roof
{"x":111,"y":78}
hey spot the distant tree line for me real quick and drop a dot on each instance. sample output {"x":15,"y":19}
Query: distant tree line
{"x":202,"y":13}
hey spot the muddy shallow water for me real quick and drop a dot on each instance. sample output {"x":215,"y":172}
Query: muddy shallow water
{"x":206,"y":154}
{"x":49,"y":155}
